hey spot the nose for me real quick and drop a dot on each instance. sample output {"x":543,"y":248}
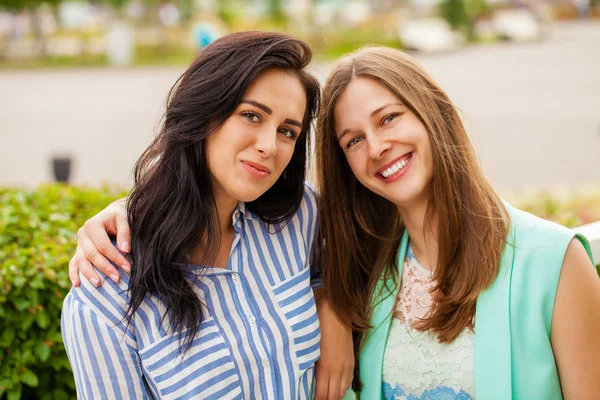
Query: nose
{"x":266,"y":142}
{"x":378,"y":146}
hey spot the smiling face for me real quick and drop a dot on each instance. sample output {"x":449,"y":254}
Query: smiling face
{"x":385,"y":144}
{"x":249,"y":152}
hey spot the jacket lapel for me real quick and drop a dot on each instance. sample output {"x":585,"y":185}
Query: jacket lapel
{"x":371,"y":356}
{"x":492,"y":353}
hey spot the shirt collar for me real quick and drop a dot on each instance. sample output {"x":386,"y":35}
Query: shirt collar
{"x":243,"y":211}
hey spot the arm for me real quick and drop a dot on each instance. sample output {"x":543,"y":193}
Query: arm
{"x":334,"y":369}
{"x":105,"y":362}
{"x":94,"y":245}
{"x":576,"y":324}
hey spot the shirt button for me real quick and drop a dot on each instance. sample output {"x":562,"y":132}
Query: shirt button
{"x":252,"y":319}
{"x":236,"y":276}
{"x":265,"y":363}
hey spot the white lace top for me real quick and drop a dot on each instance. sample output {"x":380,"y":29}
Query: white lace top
{"x":416,"y":366}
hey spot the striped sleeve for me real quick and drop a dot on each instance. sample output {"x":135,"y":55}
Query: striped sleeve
{"x":311,"y":220}
{"x":104,"y":362}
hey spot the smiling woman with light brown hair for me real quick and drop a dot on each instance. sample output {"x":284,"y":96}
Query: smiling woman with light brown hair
{"x":452,"y":292}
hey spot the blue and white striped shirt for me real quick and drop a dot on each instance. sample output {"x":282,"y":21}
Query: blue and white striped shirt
{"x":259,"y":339}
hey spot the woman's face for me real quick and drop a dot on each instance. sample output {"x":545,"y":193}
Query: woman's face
{"x":386,"y":145}
{"x":249,"y":152}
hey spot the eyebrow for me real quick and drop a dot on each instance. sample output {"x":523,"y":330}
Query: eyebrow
{"x":293,"y":122}
{"x":259,"y":105}
{"x":374,"y":113}
{"x":269,"y":111}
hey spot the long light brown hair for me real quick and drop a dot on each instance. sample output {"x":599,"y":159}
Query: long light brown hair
{"x":361,"y":231}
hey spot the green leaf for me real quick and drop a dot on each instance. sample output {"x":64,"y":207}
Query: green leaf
{"x":42,"y":351}
{"x":21,"y":304}
{"x":7,"y":337}
{"x":14,"y":393}
{"x":59,"y":395}
{"x":29,"y":378}
{"x":19,"y":281}
{"x":42,"y":319}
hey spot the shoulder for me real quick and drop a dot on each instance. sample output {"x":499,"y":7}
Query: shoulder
{"x":110,"y":300}
{"x":310,"y":196}
{"x":578,"y":263}
{"x":576,"y":323}
{"x":307,"y":213}
{"x":578,"y":274}
{"x":535,"y":233}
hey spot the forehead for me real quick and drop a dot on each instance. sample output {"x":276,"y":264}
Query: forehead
{"x":361,"y":97}
{"x":279,"y":90}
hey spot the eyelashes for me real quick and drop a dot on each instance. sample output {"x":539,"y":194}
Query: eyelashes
{"x":254,"y":117}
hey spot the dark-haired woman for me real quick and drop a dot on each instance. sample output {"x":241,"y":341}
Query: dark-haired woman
{"x":218,"y":302}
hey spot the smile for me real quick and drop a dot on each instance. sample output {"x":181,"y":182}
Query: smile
{"x":256,"y":170}
{"x":396,"y":167}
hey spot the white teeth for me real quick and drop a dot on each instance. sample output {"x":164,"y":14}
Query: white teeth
{"x":395,"y":168}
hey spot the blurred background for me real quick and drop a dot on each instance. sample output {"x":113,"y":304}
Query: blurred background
{"x":83,"y":86}
{"x":86,"y":81}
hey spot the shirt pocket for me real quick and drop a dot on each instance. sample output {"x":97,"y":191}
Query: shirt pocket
{"x":297,"y":302}
{"x":205,"y":370}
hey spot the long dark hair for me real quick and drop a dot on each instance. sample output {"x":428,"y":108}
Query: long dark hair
{"x":172,"y":207}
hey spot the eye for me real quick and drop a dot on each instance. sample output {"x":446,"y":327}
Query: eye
{"x":390,"y":118}
{"x":250,"y":116}
{"x":354,"y":142}
{"x":287,"y":132}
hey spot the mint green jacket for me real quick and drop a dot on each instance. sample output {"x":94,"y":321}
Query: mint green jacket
{"x":513,"y":356}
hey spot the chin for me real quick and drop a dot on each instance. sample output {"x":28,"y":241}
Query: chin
{"x":248,"y":195}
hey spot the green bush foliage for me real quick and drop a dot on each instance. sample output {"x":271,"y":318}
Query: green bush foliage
{"x":570,"y":207}
{"x":38,"y":236}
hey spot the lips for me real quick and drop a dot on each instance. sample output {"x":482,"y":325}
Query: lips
{"x":395,"y":161}
{"x":257,"y":166}
{"x":257,"y":170}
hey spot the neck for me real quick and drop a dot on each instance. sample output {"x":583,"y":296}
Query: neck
{"x":225,"y":209}
{"x":422,"y":232}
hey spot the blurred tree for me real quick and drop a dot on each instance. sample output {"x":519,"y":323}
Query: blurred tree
{"x":117,"y":4}
{"x":226,"y":11}
{"x":462,"y":14}
{"x":33,"y":7}
{"x":275,"y":9}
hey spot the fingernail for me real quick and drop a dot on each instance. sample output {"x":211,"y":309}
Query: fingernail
{"x":115,"y":278}
{"x":125,"y":268}
{"x":95,"y":282}
{"x":125,"y":247}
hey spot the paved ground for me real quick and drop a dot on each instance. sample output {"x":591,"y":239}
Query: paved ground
{"x":533,"y":111}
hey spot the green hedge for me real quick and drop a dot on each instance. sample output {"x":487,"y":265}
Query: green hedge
{"x":570,"y":207}
{"x":38,"y":236}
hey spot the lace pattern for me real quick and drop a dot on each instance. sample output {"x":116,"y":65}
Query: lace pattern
{"x":416,"y":365}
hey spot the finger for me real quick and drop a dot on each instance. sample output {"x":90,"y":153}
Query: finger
{"x":345,"y":383}
{"x":93,"y":256}
{"x":322,"y":383}
{"x":93,"y":239}
{"x":123,"y":234}
{"x":85,"y":267}
{"x":74,"y":272}
{"x":334,"y":388}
